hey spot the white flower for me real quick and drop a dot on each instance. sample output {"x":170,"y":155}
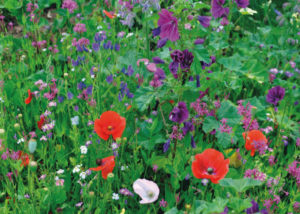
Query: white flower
{"x":56,"y":178}
{"x":123,"y":168}
{"x":75,"y":120}
{"x":247,"y":11}
{"x":115,"y":196}
{"x":147,"y":190}
{"x":76,"y":168}
{"x":61,"y":171}
{"x":82,"y":175}
{"x":20,"y":140}
{"x":129,"y":35}
{"x":1,"y":100}
{"x":83,"y":149}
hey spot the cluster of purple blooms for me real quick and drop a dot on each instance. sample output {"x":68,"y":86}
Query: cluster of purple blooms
{"x":245,"y":111}
{"x":255,"y":174}
{"x":294,"y":170}
{"x":70,"y":5}
{"x":182,"y":58}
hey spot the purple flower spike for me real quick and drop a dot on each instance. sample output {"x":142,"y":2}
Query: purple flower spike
{"x":180,"y":113}
{"x":275,"y":94}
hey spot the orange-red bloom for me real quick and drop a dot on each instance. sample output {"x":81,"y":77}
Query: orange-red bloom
{"x":254,"y":139}
{"x":106,"y":166}
{"x":24,"y":157}
{"x":210,"y":164}
{"x":29,"y":98}
{"x":110,"y":123}
{"x":109,"y":14}
{"x":41,"y":122}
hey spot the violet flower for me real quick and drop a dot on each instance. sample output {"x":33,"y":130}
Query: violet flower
{"x":275,"y":94}
{"x":242,"y":3}
{"x":204,"y":21}
{"x":217,"y":9}
{"x":179,"y":113}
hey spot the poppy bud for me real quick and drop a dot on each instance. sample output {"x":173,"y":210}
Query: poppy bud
{"x":110,"y":176}
{"x":99,"y":161}
{"x":2,"y":131}
{"x":17,"y":125}
{"x":32,"y":145}
{"x":20,"y":115}
{"x":124,"y":138}
{"x":33,"y":166}
{"x":81,"y":156}
{"x":66,"y":74}
{"x":91,"y":193}
{"x":188,"y":206}
{"x":118,"y":140}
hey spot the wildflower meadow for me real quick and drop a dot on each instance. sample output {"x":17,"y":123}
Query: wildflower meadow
{"x":150,"y":106}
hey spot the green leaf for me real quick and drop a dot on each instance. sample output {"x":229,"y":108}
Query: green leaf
{"x":239,"y":204}
{"x":58,"y":195}
{"x":174,"y":210}
{"x":224,"y":139}
{"x":239,"y":185}
{"x":217,"y":206}
{"x":201,"y":53}
{"x":229,"y":111}
{"x":231,"y":63}
{"x":143,"y":97}
{"x":210,"y":123}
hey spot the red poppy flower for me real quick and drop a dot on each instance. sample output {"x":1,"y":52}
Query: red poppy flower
{"x":254,"y":140}
{"x":29,"y":98}
{"x":24,"y":157}
{"x":106,"y":165}
{"x":110,"y":123}
{"x":109,"y":14}
{"x":210,"y":164}
{"x":41,"y":122}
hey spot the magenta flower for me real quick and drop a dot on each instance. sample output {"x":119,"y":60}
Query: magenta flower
{"x":70,"y":5}
{"x":168,"y":25}
{"x":217,"y":9}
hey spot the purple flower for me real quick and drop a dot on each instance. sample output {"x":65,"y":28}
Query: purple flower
{"x":187,"y":60}
{"x":188,"y":127}
{"x":275,"y":94}
{"x":179,"y":113}
{"x":173,"y":66}
{"x":162,"y":42}
{"x":253,"y":209}
{"x":126,"y":192}
{"x":163,"y":203}
{"x":198,"y":80}
{"x":217,"y":9}
{"x":158,"y":60}
{"x":89,"y":89}
{"x":168,"y":25}
{"x":193,"y":143}
{"x":177,"y":56}
{"x":199,"y":41}
{"x":95,"y":47}
{"x":166,"y":146}
{"x":204,"y":20}
{"x":156,"y":32}
{"x":60,"y":99}
{"x":242,"y":3}
{"x":109,"y":78}
{"x":70,"y":95}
